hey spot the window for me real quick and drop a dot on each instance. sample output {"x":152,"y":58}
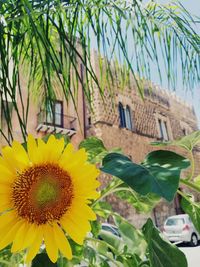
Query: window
{"x":125,"y":116}
{"x":128,"y":119}
{"x":163,"y":130}
{"x":54,"y":113}
{"x":122,"y":115}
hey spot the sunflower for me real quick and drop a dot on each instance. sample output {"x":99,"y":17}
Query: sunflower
{"x":45,"y":192}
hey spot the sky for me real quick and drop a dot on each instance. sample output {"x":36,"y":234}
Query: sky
{"x":191,"y":96}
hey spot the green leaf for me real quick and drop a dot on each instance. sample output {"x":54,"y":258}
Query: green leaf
{"x":187,"y":142}
{"x":143,"y":204}
{"x":197,"y":180}
{"x":112,"y":240}
{"x":94,"y":147}
{"x":161,"y":179}
{"x":193,"y":210}
{"x":102,"y":209}
{"x":166,"y":159}
{"x":57,"y":136}
{"x":42,"y":260}
{"x":132,"y":237}
{"x":161,"y":252}
{"x":131,"y":260}
{"x":96,"y":227}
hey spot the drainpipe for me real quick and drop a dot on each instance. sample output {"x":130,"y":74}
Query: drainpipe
{"x":83,"y":101}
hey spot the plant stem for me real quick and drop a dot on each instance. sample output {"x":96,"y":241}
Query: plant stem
{"x":192,"y":165}
{"x":107,"y":191}
{"x":109,"y":246}
{"x":190,"y":184}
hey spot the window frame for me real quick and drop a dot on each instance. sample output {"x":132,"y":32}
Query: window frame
{"x":122,"y":116}
{"x":163,"y":127}
{"x":128,"y":118}
{"x":53,"y":113}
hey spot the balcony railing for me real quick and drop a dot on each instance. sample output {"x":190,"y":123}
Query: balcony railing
{"x":56,"y":123}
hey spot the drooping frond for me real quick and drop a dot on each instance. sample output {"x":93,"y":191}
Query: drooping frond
{"x":50,"y":43}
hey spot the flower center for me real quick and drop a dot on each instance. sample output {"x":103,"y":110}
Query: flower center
{"x":42,"y":193}
{"x":46,"y":192}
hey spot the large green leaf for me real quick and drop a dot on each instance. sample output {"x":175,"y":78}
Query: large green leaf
{"x":193,"y":210}
{"x":161,"y":179}
{"x":166,"y":159}
{"x":162,"y":253}
{"x":187,"y":142}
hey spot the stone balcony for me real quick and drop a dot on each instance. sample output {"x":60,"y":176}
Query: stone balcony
{"x":51,"y":123}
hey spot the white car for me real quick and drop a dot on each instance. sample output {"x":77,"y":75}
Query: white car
{"x":180,"y":228}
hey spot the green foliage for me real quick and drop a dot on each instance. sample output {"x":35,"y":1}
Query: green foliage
{"x":7,"y":259}
{"x":187,"y":142}
{"x":57,"y":136}
{"x":155,"y":175}
{"x":166,"y":159}
{"x":193,"y":210}
{"x":143,"y":204}
{"x":160,"y":252}
{"x":132,"y":237}
{"x":96,"y":149}
{"x":197,"y":180}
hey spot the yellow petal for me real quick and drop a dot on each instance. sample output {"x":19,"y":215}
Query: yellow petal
{"x":77,"y":159}
{"x":62,"y":242}
{"x":66,"y":156}
{"x":88,"y":212}
{"x":15,"y":158}
{"x":51,"y":248}
{"x":9,"y":235}
{"x":20,"y":152}
{"x":5,"y":189}
{"x":35,"y":246}
{"x":30,"y":235}
{"x":5,"y":203}
{"x":19,"y":238}
{"x":52,"y":150}
{"x":32,"y":149}
{"x":6,"y":176}
{"x":6,"y":219}
{"x":71,"y":229}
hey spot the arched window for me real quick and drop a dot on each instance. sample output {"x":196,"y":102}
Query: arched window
{"x":122,"y":115}
{"x":128,"y":118}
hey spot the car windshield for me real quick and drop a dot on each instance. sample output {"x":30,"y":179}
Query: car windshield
{"x":175,"y":221}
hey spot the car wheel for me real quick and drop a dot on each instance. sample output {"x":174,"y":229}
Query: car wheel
{"x":194,"y":240}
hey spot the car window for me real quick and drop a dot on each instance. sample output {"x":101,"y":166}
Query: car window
{"x":175,"y":221}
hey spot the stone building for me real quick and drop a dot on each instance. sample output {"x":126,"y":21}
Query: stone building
{"x":127,"y":121}
{"x":124,"y":120}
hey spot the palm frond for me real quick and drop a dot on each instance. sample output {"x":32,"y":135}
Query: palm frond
{"x":48,"y":40}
